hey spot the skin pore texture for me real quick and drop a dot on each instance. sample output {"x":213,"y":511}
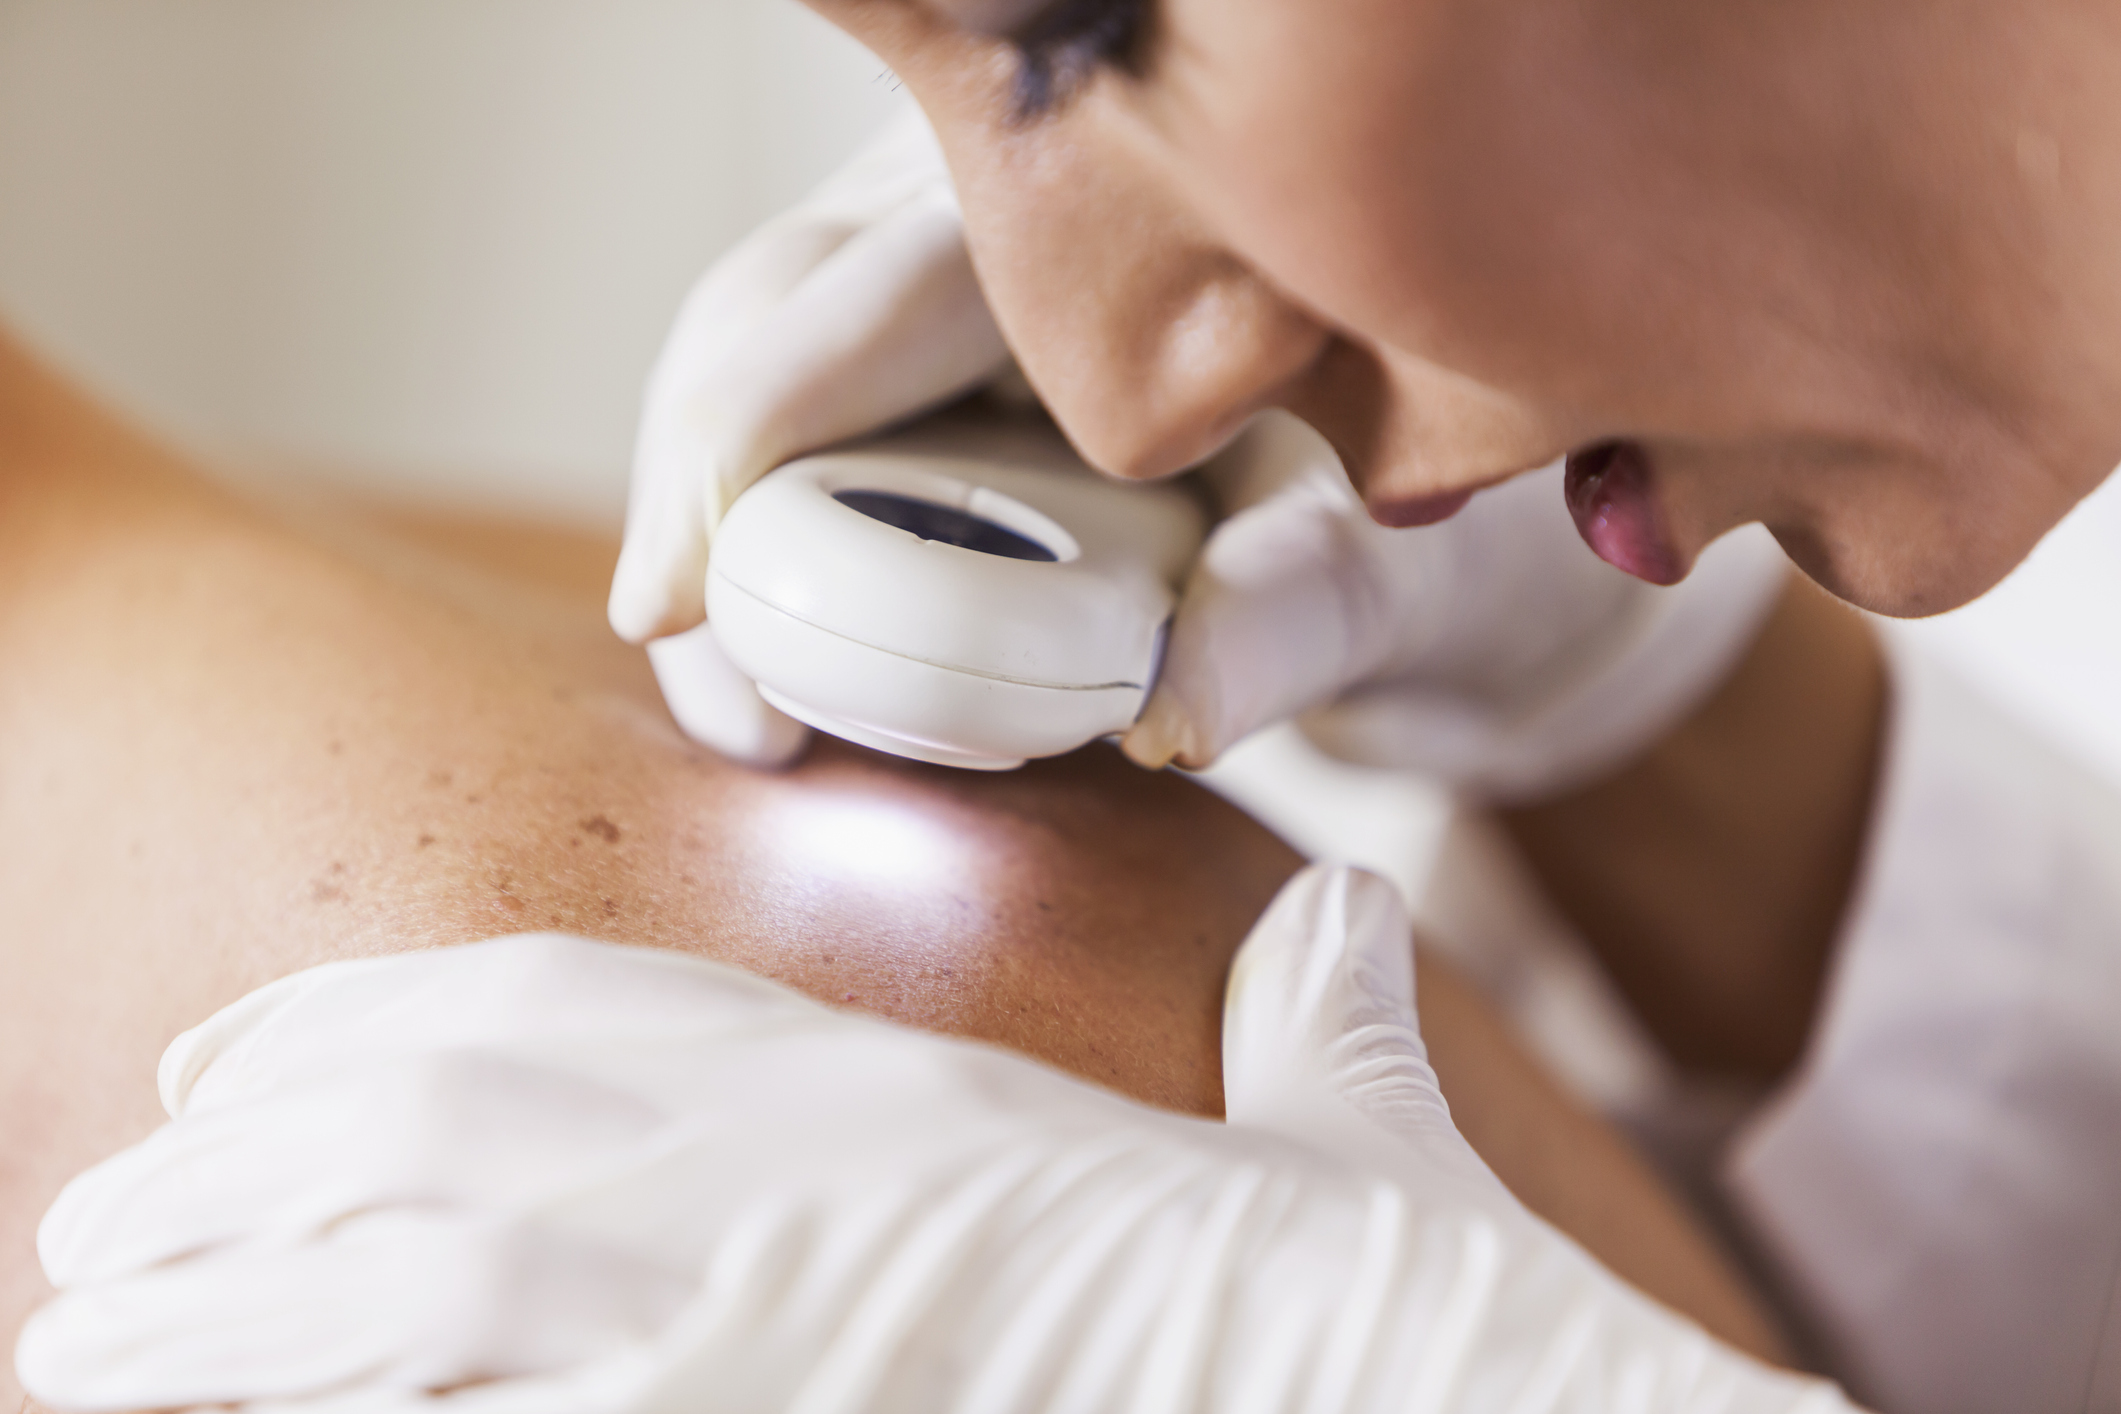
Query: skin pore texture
{"x":240,"y":742}
{"x":1846,"y":270}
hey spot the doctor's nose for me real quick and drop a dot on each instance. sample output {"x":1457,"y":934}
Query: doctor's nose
{"x":1150,"y":343}
{"x":1151,"y":396}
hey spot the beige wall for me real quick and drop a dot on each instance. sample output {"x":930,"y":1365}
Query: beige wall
{"x":437,"y":240}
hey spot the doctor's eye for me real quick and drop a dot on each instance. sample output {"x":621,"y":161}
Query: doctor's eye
{"x":1060,"y":47}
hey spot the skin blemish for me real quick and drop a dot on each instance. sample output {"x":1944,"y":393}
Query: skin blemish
{"x":337,"y":748}
{"x":611,"y":908}
{"x":322,"y":892}
{"x":474,"y":799}
{"x":424,"y":841}
{"x":602,"y":828}
{"x":440,"y":780}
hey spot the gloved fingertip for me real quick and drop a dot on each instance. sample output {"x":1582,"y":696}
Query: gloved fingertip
{"x":60,"y":1364}
{"x":1335,"y":941}
{"x":780,"y":741}
{"x":1146,"y":748}
{"x":643,"y":605}
{"x":1163,"y":736}
{"x":635,"y":611}
{"x":717,"y":706}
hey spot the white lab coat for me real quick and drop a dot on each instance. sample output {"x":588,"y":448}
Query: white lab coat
{"x":1940,"y":1184}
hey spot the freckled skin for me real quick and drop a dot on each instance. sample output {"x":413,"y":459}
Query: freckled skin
{"x":176,"y":829}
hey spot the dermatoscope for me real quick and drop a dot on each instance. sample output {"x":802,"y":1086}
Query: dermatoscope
{"x":965,"y":592}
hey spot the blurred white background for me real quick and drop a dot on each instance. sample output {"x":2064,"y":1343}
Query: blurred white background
{"x":437,"y":241}
{"x":434,"y":243}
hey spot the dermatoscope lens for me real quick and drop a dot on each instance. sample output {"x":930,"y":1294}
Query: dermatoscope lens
{"x":947,"y":524}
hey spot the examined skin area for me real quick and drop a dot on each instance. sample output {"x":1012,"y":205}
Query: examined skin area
{"x":241,"y":742}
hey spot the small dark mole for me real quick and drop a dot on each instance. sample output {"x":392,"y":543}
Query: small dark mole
{"x":439,"y":780}
{"x":603,"y":829}
{"x":425,"y":840}
{"x":1044,"y":907}
{"x":949,"y":973}
{"x":337,"y":748}
{"x":473,"y":799}
{"x":611,"y":908}
{"x":830,"y":958}
{"x":574,"y":841}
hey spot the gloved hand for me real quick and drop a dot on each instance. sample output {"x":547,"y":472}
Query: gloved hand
{"x":543,"y":1174}
{"x":1493,"y":650}
{"x":853,"y":310}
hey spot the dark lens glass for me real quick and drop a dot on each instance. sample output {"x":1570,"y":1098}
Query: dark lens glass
{"x":932,"y":521}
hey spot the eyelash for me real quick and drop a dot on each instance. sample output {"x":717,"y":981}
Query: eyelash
{"x":1059,"y":51}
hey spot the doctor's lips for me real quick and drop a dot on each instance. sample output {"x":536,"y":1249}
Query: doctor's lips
{"x":1613,"y":496}
{"x":1402,"y":512}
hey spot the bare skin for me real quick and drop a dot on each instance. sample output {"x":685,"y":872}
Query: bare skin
{"x":241,"y":743}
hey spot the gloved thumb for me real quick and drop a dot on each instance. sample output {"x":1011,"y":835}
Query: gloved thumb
{"x":1321,"y":1041}
{"x":717,"y":706}
{"x":1281,"y":611}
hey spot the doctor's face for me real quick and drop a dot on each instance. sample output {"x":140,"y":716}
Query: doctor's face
{"x":1839,"y":268}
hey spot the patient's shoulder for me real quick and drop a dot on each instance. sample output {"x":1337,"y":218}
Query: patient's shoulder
{"x":1080,"y":910}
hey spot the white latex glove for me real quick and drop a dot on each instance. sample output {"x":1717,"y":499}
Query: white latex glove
{"x":1492,"y":650}
{"x":543,"y":1174}
{"x":852,"y":311}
